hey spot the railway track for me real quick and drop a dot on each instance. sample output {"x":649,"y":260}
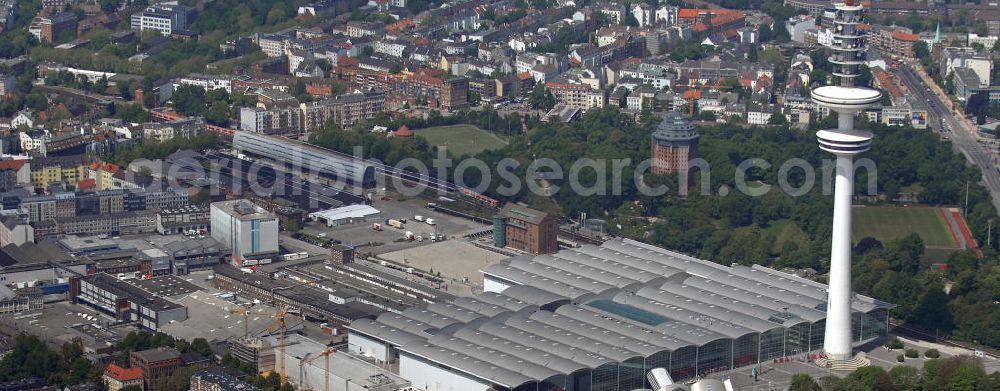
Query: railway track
{"x":901,"y":329}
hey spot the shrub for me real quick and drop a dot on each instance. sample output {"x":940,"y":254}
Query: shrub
{"x":912,"y":353}
{"x":894,"y":344}
{"x":932,"y":353}
{"x":899,"y":357}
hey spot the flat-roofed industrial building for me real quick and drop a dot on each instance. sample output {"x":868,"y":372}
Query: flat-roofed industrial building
{"x":601,"y":317}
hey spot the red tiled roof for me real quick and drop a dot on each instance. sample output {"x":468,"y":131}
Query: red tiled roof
{"x":688,"y":13}
{"x":887,"y":83}
{"x":403,"y":131}
{"x":524,"y":75}
{"x":692,"y":94}
{"x":122,"y":374}
{"x":88,"y":183}
{"x":400,"y":25}
{"x":347,"y":61}
{"x":12,"y":164}
{"x":109,"y":167}
{"x":901,"y":36}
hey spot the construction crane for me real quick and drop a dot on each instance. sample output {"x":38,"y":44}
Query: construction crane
{"x":245,"y":313}
{"x":279,"y":324}
{"x":326,"y":375}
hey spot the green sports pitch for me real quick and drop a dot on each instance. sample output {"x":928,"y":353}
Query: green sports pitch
{"x":890,"y":223}
{"x":461,"y":139}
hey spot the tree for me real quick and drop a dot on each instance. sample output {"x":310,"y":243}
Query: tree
{"x":766,"y":34}
{"x":299,"y":88}
{"x":905,"y":378}
{"x":777,"y":119}
{"x":276,"y":15}
{"x":541,"y":98}
{"x":921,"y":49}
{"x":949,"y":83}
{"x":630,"y":20}
{"x":803,"y":382}
{"x":705,"y":116}
{"x":932,"y":311}
{"x":30,"y":357}
{"x":109,"y":6}
{"x":966,"y":377}
{"x":189,"y":100}
{"x":864,"y":76}
{"x":131,"y":113}
{"x":200,"y":345}
{"x":868,"y":378}
{"x":867,"y":244}
{"x":36,"y":102}
{"x":218,"y":113}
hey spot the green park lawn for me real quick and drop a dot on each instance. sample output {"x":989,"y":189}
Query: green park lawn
{"x":890,"y":223}
{"x":461,"y":139}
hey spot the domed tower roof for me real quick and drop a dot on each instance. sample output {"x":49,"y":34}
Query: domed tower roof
{"x":675,"y":127}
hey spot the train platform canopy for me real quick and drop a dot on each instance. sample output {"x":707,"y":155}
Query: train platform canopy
{"x":591,"y":311}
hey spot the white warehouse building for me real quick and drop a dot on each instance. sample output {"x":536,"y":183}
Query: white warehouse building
{"x":249,"y":230}
{"x":601,"y":317}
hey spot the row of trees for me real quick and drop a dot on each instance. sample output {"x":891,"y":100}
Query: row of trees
{"x":898,"y":272}
{"x":158,"y":150}
{"x":216,"y":105}
{"x":960,"y":373}
{"x":30,"y":357}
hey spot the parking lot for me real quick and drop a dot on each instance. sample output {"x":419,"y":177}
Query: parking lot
{"x":392,"y":239}
{"x":455,"y":260}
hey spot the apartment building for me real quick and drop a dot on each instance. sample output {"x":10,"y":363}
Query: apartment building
{"x":123,"y":223}
{"x":356,"y":28}
{"x":164,"y":131}
{"x":207,"y":82}
{"x":277,"y":120}
{"x":575,"y":95}
{"x":167,"y":18}
{"x":57,"y":169}
{"x":51,"y":28}
{"x":344,"y":110}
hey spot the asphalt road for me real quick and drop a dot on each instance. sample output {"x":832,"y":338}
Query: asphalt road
{"x":962,"y":136}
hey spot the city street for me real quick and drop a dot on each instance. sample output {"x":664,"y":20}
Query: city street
{"x":955,"y":127}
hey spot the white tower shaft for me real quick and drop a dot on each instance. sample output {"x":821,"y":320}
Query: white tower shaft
{"x":837,"y":342}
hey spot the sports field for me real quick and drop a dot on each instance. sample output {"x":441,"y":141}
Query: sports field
{"x":890,"y":223}
{"x":461,"y":139}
